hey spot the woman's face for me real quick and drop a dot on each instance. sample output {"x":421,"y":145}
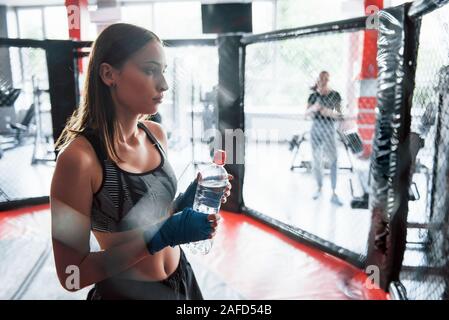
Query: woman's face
{"x":140,"y":82}
{"x":324,"y":79}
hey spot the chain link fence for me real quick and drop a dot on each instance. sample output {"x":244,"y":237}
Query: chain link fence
{"x":425,"y":270}
{"x":309,"y":122}
{"x":26,"y":134}
{"x":190,"y":107}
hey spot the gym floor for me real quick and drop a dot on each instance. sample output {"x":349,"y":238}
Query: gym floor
{"x":269,"y":265}
{"x":343,"y":225}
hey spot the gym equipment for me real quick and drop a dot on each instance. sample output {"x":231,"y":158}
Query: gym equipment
{"x":30,"y":126}
{"x":353,"y":143}
{"x":20,"y":130}
{"x":8,"y":96}
{"x":352,"y":140}
{"x":48,"y":154}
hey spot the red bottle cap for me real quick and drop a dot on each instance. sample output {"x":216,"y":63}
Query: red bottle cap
{"x":220,"y":157}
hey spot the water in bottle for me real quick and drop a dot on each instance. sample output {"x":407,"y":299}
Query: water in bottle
{"x":210,"y":189}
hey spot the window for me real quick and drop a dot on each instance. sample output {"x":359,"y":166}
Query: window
{"x":11,"y":20}
{"x":56,"y":24}
{"x":30,"y":23}
{"x":177,"y":19}
{"x":263,"y":16}
{"x":140,"y":15}
{"x":293,"y":13}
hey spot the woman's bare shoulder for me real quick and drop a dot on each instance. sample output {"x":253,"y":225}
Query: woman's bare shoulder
{"x":78,"y":152}
{"x":76,"y":175}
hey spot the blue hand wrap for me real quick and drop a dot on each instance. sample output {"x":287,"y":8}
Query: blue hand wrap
{"x":182,"y":227}
{"x":185,"y":199}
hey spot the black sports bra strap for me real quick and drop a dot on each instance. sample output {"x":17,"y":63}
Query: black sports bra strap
{"x":151,"y":136}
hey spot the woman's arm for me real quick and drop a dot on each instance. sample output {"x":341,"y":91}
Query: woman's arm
{"x":313,"y":105}
{"x":313,"y":108}
{"x":330,"y":113}
{"x":335,"y":114}
{"x":71,"y":200}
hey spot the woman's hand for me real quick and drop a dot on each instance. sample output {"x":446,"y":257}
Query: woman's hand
{"x":312,"y":109}
{"x":227,"y":191}
{"x":330,"y":113}
{"x":326,"y":112}
{"x":214,"y":220}
{"x":185,"y":226}
{"x":316,"y":107}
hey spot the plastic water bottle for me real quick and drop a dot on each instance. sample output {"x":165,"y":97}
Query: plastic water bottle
{"x":211,"y":187}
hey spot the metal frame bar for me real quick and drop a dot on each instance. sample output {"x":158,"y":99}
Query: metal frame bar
{"x":420,"y":8}
{"x":293,"y":33}
{"x":307,"y":238}
{"x":15,"y":204}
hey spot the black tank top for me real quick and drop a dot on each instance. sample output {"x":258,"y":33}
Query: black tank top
{"x":126,"y":200}
{"x":329,"y":101}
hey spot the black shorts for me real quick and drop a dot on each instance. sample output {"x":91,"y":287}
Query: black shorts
{"x":180,"y":285}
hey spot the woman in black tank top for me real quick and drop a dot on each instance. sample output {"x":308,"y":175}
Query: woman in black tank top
{"x":136,"y":211}
{"x":324,"y":105}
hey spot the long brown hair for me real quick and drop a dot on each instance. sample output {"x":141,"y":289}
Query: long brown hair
{"x":114,"y":46}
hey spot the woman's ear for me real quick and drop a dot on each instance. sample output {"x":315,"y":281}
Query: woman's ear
{"x":107,"y":74}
